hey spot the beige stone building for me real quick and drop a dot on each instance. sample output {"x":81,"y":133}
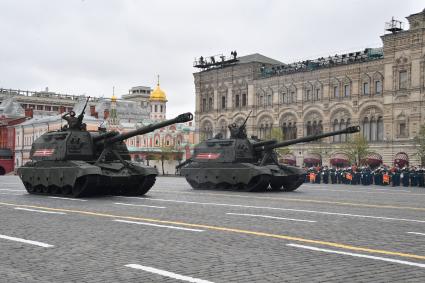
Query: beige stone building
{"x":380,"y":89}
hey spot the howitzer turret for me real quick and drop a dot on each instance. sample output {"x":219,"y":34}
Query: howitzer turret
{"x":75,"y":162}
{"x":245,"y":164}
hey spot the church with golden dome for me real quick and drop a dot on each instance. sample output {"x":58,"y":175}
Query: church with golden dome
{"x":158,"y":101}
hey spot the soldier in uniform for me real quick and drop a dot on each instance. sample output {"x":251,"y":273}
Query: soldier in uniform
{"x":396,"y":176}
{"x":318,"y":174}
{"x":71,"y":119}
{"x":378,"y":176}
{"x":325,"y":175}
{"x":405,"y":176}
{"x":332,"y":175}
{"x":413,"y":177}
{"x":421,"y":179}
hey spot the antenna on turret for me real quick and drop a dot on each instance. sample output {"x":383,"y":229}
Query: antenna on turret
{"x":246,"y":120}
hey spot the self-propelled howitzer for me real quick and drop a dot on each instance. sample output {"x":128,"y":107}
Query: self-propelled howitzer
{"x":76,"y":163}
{"x":245,"y":164}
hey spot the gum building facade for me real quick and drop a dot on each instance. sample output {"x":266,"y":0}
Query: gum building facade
{"x":380,"y":89}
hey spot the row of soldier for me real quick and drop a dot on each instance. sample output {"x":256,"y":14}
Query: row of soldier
{"x":384,"y":175}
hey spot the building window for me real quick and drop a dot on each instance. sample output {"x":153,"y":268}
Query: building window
{"x":403,"y":129}
{"x":292,"y":98}
{"x":346,"y":90}
{"x":365,"y":88}
{"x":162,"y":108}
{"x":237,"y":101}
{"x":336,"y":91}
{"x":156,"y":108}
{"x":378,"y":87}
{"x":48,"y":108}
{"x":243,"y":99}
{"x":373,"y":128}
{"x":289,"y":131}
{"x":223,"y":102}
{"x":39,"y":107}
{"x":402,"y":79}
{"x":269,"y":100}
{"x":284,"y":98}
{"x":204,"y":105}
{"x":210,"y":103}
{"x":308,"y":95}
{"x":317,"y":94}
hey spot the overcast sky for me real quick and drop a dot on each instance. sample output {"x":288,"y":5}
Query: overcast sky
{"x":89,"y":46}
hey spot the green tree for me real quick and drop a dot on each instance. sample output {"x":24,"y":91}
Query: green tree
{"x":166,"y":154}
{"x":420,"y":144}
{"x":356,"y":147}
{"x":276,"y":133}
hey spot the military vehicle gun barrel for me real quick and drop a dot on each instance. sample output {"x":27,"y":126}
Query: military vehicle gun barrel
{"x":104,"y":136}
{"x":264,"y":143}
{"x":271,"y":144}
{"x":149,"y":128}
{"x":268,"y":148}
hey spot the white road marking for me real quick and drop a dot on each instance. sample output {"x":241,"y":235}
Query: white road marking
{"x":271,"y":217}
{"x":167,"y":273}
{"x":285,"y":209}
{"x":40,"y":244}
{"x":42,"y":211}
{"x":76,"y":199}
{"x":141,"y":205}
{"x":158,"y":225}
{"x":12,"y":194}
{"x":10,"y":190}
{"x":359,"y":255}
{"x":416,"y":233}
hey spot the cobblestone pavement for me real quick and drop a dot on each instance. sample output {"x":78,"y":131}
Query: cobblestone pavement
{"x":320,"y":233}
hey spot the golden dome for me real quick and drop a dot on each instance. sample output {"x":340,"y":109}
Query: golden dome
{"x":114,"y":98}
{"x":158,"y":94}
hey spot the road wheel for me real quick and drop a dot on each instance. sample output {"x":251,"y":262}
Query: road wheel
{"x":30,"y":189}
{"x":258,"y":183}
{"x":276,"y":183}
{"x":291,"y":183}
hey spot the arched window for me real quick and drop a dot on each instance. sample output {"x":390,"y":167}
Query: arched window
{"x":366,"y":128}
{"x":380,"y":126}
{"x":210,"y":103}
{"x":335,"y":127}
{"x":207,"y":130}
{"x":223,"y":102}
{"x":292,"y":97}
{"x":309,"y":129}
{"x":289,"y":128}
{"x":244,"y":99}
{"x":237,"y":100}
{"x":313,"y":124}
{"x":223,"y":129}
{"x":378,"y":87}
{"x":284,"y":98}
{"x":373,"y":129}
{"x":265,"y":128}
{"x":269,"y":100}
{"x":342,"y":126}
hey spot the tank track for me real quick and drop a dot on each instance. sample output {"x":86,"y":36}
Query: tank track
{"x":92,"y":185}
{"x":260,"y":183}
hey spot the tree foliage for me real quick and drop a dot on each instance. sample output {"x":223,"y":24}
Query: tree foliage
{"x":420,"y":144}
{"x":277,"y":134}
{"x":356,"y":147}
{"x":166,"y":154}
